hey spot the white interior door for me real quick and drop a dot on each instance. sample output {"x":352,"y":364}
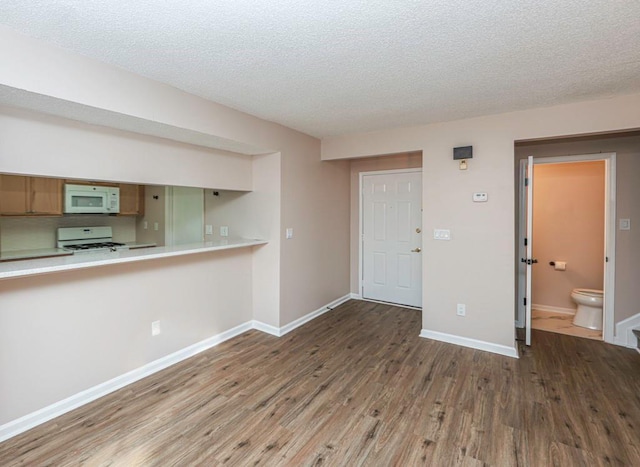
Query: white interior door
{"x":391,"y":237}
{"x":528,"y":259}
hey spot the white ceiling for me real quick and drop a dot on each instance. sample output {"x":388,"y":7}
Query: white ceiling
{"x":330,"y":67}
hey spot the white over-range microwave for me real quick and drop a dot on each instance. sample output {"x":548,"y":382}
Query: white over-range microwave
{"x":91,"y":199}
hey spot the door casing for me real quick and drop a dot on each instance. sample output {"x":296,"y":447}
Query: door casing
{"x":609,"y":235}
{"x":360,"y":221}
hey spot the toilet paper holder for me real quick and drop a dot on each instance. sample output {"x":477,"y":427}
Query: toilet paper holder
{"x":558,"y":265}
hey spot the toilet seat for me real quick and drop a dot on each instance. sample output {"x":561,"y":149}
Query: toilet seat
{"x":589,"y":292}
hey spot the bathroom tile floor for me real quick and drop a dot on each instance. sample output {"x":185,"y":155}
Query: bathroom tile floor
{"x":562,"y":324}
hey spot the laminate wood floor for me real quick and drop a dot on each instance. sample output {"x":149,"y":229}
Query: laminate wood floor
{"x":357,"y":386}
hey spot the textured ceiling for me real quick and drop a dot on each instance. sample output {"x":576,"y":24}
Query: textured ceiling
{"x":329,"y":67}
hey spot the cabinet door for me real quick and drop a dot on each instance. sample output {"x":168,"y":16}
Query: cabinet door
{"x":131,"y":199}
{"x":13,"y":195}
{"x":46,"y":196}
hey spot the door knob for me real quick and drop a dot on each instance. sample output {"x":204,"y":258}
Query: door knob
{"x":418,"y":230}
{"x":417,"y":250}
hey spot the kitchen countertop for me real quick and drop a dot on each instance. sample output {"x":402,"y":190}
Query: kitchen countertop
{"x":141,"y":252}
{"x":30,"y":254}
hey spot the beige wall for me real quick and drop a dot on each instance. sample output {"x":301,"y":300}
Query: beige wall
{"x":477,"y":266}
{"x":66,"y":332}
{"x":154,"y":211}
{"x":568,"y":225}
{"x":200,"y":296}
{"x":68,"y":149}
{"x":627,"y":149}
{"x":407,"y":160}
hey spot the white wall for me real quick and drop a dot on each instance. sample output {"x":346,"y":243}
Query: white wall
{"x":28,"y":233}
{"x":477,"y":266}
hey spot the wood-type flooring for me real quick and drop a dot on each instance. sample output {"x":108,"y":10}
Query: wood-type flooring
{"x":357,"y":386}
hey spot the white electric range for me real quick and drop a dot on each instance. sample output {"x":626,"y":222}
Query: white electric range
{"x":88,"y":240}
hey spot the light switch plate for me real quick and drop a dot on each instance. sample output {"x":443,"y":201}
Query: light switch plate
{"x":625,"y":224}
{"x":480,"y":197}
{"x":224,"y":231}
{"x":289,"y":233}
{"x":209,"y":230}
{"x":442,"y":234}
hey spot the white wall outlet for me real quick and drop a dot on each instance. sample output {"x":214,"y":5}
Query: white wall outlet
{"x":461,"y":309}
{"x":625,"y":224}
{"x":289,"y":233}
{"x":155,"y":328}
{"x":480,"y":197}
{"x":155,"y":226}
{"x":145,"y":225}
{"x":224,"y":231}
{"x":209,"y":230}
{"x":442,"y":234}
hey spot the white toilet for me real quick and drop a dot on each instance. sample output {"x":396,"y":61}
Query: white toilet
{"x":589,"y":313}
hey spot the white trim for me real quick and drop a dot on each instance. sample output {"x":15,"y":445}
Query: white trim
{"x":287,"y":328}
{"x":624,"y":332}
{"x":314,"y":314}
{"x":610,"y":232}
{"x":554,"y":309}
{"x":266,"y":328}
{"x":361,"y":175}
{"x":355,"y":296}
{"x":22,"y":424}
{"x":471,"y":343}
{"x":399,"y":305}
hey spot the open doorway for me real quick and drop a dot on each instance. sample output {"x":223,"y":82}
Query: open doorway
{"x":568,"y":248}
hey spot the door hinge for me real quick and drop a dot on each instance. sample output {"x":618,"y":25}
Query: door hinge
{"x":606,"y":259}
{"x":525,"y":242}
{"x":525,"y":301}
{"x":526,"y":182}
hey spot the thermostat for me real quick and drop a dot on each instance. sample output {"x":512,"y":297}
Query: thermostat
{"x":480,"y":197}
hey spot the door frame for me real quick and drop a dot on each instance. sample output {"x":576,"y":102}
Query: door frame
{"x":361,"y":221}
{"x":608,"y":324}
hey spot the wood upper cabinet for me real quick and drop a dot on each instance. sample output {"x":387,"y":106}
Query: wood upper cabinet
{"x":30,"y":196}
{"x":131,"y":199}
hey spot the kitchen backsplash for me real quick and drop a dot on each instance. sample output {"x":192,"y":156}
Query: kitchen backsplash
{"x":30,"y":233}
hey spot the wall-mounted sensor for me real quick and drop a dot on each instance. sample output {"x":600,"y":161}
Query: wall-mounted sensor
{"x":461,"y":154}
{"x":480,"y":197}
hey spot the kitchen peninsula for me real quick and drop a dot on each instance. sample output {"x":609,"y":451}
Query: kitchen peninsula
{"x":48,"y":265}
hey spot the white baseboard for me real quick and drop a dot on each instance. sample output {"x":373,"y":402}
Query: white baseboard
{"x":355,"y":296}
{"x":554,"y":309}
{"x":314,"y":314}
{"x":45,"y":414}
{"x":279,"y":332}
{"x":624,"y":332}
{"x":22,"y":424}
{"x":471,"y":343}
{"x":266,"y":328}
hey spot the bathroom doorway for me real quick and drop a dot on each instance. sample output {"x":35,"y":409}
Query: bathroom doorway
{"x":571,"y":241}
